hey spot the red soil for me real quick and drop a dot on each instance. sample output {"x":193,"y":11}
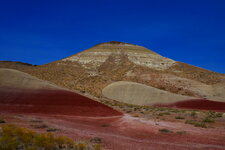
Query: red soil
{"x":201,"y":104}
{"x":80,"y":118}
{"x":128,"y":133}
{"x":51,"y":102}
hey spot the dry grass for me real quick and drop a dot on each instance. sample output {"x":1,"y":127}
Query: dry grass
{"x":13,"y":137}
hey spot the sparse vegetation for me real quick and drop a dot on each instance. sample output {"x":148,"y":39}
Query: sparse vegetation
{"x":181,"y":132}
{"x":164,"y":113}
{"x":193,"y":114}
{"x":196,"y":123}
{"x":208,"y":120}
{"x":16,"y":138}
{"x":52,"y":130}
{"x":179,"y":117}
{"x":96,"y":140}
{"x":39,"y":126}
{"x":165,"y":131}
{"x":2,"y":121}
{"x":211,"y":114}
{"x":36,"y":121}
{"x":135,"y":115}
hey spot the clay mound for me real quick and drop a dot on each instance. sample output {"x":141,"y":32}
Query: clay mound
{"x":22,"y":93}
{"x":201,"y":104}
{"x":17,"y":79}
{"x":139,"y":94}
{"x":45,"y":101}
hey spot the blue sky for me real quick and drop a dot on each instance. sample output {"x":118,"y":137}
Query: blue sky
{"x":41,"y":31}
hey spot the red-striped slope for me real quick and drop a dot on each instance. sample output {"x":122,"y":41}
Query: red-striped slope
{"x":202,"y":104}
{"x":46,"y":101}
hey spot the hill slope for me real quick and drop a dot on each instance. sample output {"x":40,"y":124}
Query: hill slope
{"x":22,"y":93}
{"x":140,"y":94}
{"x":95,"y":68}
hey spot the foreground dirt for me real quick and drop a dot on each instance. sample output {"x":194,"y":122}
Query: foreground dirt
{"x":125,"y":132}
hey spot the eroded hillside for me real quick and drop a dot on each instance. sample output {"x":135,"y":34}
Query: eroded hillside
{"x":91,"y":70}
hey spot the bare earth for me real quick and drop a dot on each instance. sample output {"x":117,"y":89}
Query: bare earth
{"x":128,"y":133}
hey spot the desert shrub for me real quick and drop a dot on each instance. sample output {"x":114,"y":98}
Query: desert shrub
{"x":161,"y":108}
{"x":45,"y":141}
{"x":165,"y":131}
{"x":196,"y":123}
{"x":208,"y":120}
{"x":36,"y":121}
{"x":97,"y":146}
{"x":174,"y":110}
{"x":179,"y":117}
{"x":52,"y":130}
{"x":193,"y":114}
{"x":181,"y":132}
{"x":15,"y":138}
{"x":135,"y":115}
{"x":200,"y":124}
{"x":40,"y":126}
{"x":128,"y":111}
{"x":96,"y":140}
{"x":164,"y":113}
{"x":2,"y":121}
{"x":81,"y":146}
{"x":211,"y":114}
{"x":219,"y":114}
{"x":8,"y":143}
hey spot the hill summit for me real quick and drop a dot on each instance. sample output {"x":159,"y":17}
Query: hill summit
{"x":118,"y":52}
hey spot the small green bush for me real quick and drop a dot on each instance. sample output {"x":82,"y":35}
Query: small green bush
{"x":52,"y":130}
{"x":163,"y":113}
{"x":208,"y":120}
{"x":179,"y":117}
{"x":219,"y":114}
{"x":165,"y":131}
{"x":193,"y":114}
{"x":196,"y":123}
{"x":97,"y":146}
{"x":96,"y":140}
{"x":200,"y":124}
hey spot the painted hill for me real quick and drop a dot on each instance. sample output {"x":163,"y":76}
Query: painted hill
{"x":90,"y":71}
{"x":10,"y":78}
{"x":22,"y":93}
{"x":140,"y":94}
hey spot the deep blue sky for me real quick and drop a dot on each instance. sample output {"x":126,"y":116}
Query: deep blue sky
{"x":41,"y":31}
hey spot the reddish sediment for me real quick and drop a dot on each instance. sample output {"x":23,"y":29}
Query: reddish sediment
{"x":201,"y":104}
{"x":45,"y":101}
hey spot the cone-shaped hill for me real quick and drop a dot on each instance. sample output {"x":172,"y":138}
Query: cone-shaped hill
{"x":94,"y":69}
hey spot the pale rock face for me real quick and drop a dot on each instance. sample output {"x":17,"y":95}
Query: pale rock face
{"x":138,"y":55}
{"x":151,"y":60}
{"x":95,"y":58}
